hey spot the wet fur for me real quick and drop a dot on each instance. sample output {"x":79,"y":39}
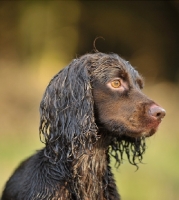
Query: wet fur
{"x":82,"y":123}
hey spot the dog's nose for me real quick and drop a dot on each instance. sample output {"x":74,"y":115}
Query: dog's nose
{"x":157,"y":112}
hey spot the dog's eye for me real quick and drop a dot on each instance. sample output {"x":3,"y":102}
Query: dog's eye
{"x":116,"y":84}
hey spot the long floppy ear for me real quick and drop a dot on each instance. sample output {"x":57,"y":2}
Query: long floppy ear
{"x":67,"y":121}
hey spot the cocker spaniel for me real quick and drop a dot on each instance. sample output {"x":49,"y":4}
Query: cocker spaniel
{"x":91,"y":109}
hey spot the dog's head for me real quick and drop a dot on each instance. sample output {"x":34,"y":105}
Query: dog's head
{"x":96,"y":95}
{"x":120,"y":105}
{"x":122,"y":111}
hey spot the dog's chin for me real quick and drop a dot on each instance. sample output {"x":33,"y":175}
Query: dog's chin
{"x":140,"y":133}
{"x":119,"y":130}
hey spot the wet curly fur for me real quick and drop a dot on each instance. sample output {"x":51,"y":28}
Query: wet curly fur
{"x":84,"y":120}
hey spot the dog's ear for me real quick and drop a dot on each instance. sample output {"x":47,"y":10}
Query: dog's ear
{"x":67,"y":122}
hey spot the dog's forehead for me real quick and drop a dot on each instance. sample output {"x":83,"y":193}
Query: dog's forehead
{"x":130,"y":70}
{"x":110,"y":67}
{"x":133,"y":76}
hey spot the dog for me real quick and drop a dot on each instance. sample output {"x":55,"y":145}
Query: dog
{"x":91,"y":109}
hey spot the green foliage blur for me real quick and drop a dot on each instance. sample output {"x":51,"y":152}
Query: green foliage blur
{"x":38,"y":38}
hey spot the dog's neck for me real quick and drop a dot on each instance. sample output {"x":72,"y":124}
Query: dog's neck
{"x":90,"y":171}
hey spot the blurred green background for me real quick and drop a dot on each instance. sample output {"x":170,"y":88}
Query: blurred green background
{"x":38,"y":38}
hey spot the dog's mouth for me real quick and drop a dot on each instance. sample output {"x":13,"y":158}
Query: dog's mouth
{"x":152,"y":127}
{"x":134,"y":127}
{"x":147,"y":130}
{"x":147,"y":124}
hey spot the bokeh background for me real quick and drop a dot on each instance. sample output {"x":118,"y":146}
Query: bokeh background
{"x":38,"y":38}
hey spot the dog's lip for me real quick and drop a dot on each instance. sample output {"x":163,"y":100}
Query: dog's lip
{"x":152,"y":128}
{"x":155,"y":124}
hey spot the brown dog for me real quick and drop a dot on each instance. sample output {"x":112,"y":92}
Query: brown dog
{"x":91,"y":109}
